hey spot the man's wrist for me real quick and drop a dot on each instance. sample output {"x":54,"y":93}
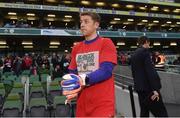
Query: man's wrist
{"x":85,"y":79}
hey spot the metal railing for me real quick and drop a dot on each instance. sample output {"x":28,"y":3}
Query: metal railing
{"x":123,"y":81}
{"x":26,"y":94}
{"x":172,"y":68}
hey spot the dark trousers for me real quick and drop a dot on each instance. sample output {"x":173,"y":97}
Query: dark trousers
{"x":157,"y":108}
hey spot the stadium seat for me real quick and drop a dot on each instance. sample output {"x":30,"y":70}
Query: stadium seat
{"x":12,"y":77}
{"x":8,"y":86}
{"x":54,"y":90}
{"x":54,"y":83}
{"x":2,"y":89}
{"x":44,"y":77}
{"x":21,"y":78}
{"x":60,"y":109}
{"x":3,"y":77}
{"x":2,"y":94}
{"x":12,"y":106}
{"x":54,"y":86}
{"x":9,"y":79}
{"x":73,"y":107}
{"x":38,"y":107}
{"x":43,"y":71}
{"x":36,"y":90}
{"x":18,"y":88}
{"x":8,"y":82}
{"x":13,"y":96}
{"x":8,"y":73}
{"x":33,"y":78}
{"x":26,"y":72}
{"x":58,"y":79}
{"x":1,"y":72}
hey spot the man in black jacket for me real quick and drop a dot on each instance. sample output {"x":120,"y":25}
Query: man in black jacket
{"x":146,"y":81}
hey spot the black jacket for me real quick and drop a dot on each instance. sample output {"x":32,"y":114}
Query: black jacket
{"x":145,"y":76}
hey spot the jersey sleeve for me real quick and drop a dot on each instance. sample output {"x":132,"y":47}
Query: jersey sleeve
{"x":101,"y":74}
{"x":108,"y":52}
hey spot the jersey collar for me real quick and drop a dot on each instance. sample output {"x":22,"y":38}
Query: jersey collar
{"x":91,"y":41}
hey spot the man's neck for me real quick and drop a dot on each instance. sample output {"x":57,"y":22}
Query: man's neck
{"x":145,"y":46}
{"x":91,"y":37}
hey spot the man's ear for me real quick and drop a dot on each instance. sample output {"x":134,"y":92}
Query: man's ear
{"x":97,"y":25}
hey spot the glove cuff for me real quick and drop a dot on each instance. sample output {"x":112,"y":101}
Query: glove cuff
{"x":83,"y":78}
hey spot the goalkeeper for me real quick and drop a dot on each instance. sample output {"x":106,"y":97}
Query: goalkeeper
{"x":92,"y":60}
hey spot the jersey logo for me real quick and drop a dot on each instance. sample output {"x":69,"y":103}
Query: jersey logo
{"x":87,"y":62}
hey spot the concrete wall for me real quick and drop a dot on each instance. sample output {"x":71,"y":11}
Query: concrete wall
{"x":123,"y":70}
{"x":170,"y":83}
{"x":170,"y":87}
{"x":123,"y":103}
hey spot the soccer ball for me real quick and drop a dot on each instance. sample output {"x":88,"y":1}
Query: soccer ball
{"x":70,"y":82}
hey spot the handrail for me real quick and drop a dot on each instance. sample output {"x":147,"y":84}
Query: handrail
{"x":172,"y":65}
{"x":26,"y":95}
{"x":130,"y":88}
{"x":123,"y":81}
{"x":116,"y":74}
{"x":172,"y":68}
{"x":167,"y":68}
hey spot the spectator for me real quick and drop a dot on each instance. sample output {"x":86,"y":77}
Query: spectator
{"x":45,"y":62}
{"x":57,"y":71}
{"x":65,"y":61}
{"x":9,"y":25}
{"x":54,"y":60}
{"x":39,"y":60}
{"x":8,"y":64}
{"x":177,"y":61}
{"x":27,"y":62}
{"x":155,"y":58}
{"x":17,"y":65}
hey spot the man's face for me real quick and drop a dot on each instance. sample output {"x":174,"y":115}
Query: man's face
{"x":148,"y":44}
{"x":87,"y":25}
{"x":57,"y":66}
